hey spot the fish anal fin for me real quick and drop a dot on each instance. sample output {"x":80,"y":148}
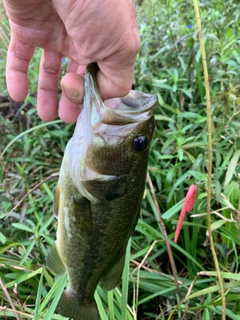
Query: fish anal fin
{"x":70,"y":307}
{"x":113,"y":277}
{"x":54,"y":261}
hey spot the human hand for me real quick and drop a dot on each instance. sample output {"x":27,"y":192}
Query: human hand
{"x":82,"y":30}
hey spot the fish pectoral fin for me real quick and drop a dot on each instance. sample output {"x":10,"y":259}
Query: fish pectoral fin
{"x":70,"y":307}
{"x":54,"y":261}
{"x":113,"y":277}
{"x":107,"y":190}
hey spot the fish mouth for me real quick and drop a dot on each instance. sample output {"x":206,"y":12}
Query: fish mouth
{"x":103,"y":125}
{"x":133,"y":108}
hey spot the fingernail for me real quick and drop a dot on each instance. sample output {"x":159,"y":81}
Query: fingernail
{"x":71,"y":93}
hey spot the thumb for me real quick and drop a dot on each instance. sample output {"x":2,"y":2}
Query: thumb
{"x":115,"y":74}
{"x":114,"y":84}
{"x":72,"y":86}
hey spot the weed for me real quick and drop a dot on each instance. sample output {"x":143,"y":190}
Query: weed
{"x":168,"y":64}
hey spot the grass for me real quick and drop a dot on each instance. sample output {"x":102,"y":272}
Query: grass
{"x":169,"y":64}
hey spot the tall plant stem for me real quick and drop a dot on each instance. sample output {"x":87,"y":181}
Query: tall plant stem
{"x":209,"y":179}
{"x":169,"y":251}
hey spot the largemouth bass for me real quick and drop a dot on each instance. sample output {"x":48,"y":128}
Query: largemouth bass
{"x":99,"y":193}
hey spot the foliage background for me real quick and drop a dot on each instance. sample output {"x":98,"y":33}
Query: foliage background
{"x":168,"y":64}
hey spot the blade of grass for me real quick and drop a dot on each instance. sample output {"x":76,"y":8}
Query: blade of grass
{"x":110,"y":305}
{"x":55,"y":291}
{"x":36,"y":311}
{"x":231,"y":168}
{"x":172,"y":262}
{"x":102,"y":312}
{"x":9,"y":298}
{"x":53,"y":175}
{"x":125,"y":281}
{"x":45,"y":124}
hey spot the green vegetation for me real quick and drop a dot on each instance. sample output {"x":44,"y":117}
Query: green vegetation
{"x":169,"y":64}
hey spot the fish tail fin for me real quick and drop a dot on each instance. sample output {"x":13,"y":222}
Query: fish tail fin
{"x":69,"y":306}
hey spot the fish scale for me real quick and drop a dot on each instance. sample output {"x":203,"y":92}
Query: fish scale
{"x":99,"y":193}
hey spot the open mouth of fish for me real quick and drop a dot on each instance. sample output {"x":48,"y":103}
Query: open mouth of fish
{"x":104,"y":125}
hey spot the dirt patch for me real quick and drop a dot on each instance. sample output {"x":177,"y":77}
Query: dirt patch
{"x":16,"y":112}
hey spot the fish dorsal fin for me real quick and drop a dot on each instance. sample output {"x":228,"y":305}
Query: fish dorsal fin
{"x":54,"y":261}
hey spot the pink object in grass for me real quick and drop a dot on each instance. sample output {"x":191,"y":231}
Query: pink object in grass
{"x":187,"y":207}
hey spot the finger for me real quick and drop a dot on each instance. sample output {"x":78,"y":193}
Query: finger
{"x":68,"y":111}
{"x":70,"y":104}
{"x":72,"y":86}
{"x":115,"y":74}
{"x":18,"y":58}
{"x":72,"y":97}
{"x":114,"y":83}
{"x":76,"y":68}
{"x":47,"y":98}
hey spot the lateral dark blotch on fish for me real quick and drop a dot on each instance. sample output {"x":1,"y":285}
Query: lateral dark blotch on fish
{"x":99,"y":193}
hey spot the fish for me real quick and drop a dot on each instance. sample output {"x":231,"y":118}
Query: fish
{"x":99,"y":192}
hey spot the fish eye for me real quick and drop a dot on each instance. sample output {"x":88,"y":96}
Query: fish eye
{"x":140,"y":143}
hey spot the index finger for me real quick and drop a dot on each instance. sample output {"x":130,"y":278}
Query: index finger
{"x":18,"y":58}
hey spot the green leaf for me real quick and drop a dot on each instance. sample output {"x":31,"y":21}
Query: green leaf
{"x":215,"y":225}
{"x":22,"y":226}
{"x":173,"y":210}
{"x":38,"y":298}
{"x":55,"y":293}
{"x":231,"y":168}
{"x":2,"y":238}
{"x":125,"y":281}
